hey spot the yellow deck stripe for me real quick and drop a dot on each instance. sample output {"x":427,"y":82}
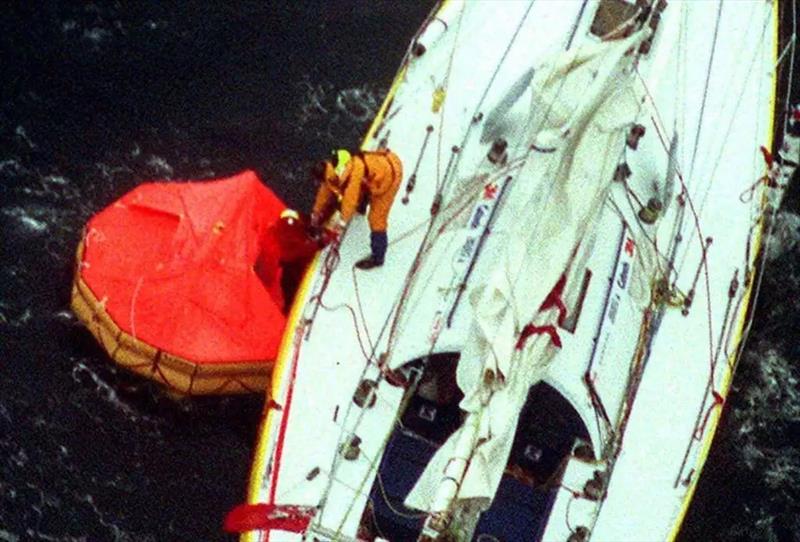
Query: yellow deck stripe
{"x":258,"y":468}
{"x":728,"y":375}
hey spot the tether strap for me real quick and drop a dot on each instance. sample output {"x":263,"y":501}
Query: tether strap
{"x":384,"y":154}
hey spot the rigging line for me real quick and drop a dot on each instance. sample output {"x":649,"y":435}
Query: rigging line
{"x":388,"y":502}
{"x":786,"y":49}
{"x":342,"y":434}
{"x":576,"y":24}
{"x":617,"y":209}
{"x":355,"y":324}
{"x":684,"y":189}
{"x":791,"y":68}
{"x":701,"y":420}
{"x":375,"y":523}
{"x":727,"y":320}
{"x":374,"y":462}
{"x":740,"y":347}
{"x":330,"y":261}
{"x":381,"y":374}
{"x":444,"y":85}
{"x":650,"y":240}
{"x":303,"y":479}
{"x":679,"y":121}
{"x":550,"y":171}
{"x":544,"y":119}
{"x":724,"y":139}
{"x":486,"y":90}
{"x":731,"y":331}
{"x":468,"y":196}
{"x":705,"y":89}
{"x":749,"y":72}
{"x":757,"y":290}
{"x":363,"y":318}
{"x":396,"y":308}
{"x":558,"y":92}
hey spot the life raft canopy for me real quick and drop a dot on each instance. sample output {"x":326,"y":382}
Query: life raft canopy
{"x":165,"y":281}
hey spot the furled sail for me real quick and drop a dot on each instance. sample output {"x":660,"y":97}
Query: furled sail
{"x":583,"y":102}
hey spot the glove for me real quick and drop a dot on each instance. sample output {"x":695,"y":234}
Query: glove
{"x":334,"y":233}
{"x":314,"y":233}
{"x":328,"y":236}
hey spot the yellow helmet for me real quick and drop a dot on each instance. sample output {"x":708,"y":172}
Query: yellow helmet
{"x":290,"y":216}
{"x":339,"y":159}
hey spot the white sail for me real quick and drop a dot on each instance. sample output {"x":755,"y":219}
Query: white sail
{"x":582,"y":105}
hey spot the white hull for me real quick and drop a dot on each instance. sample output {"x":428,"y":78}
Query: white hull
{"x":659,"y":365}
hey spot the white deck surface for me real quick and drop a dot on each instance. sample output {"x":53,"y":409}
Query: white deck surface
{"x":717,"y":164}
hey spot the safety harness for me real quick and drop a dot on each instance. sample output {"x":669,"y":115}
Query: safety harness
{"x":343,"y":158}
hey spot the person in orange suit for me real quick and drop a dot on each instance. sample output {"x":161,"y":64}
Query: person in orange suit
{"x":345,"y":180}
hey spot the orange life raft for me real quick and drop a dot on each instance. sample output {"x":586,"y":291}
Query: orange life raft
{"x":165,"y":281}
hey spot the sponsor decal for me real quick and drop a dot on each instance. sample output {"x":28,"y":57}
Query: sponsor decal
{"x":478,"y":216}
{"x":629,"y":246}
{"x":613,"y":306}
{"x":490,"y":191}
{"x":622,"y":279}
{"x":465,"y":253}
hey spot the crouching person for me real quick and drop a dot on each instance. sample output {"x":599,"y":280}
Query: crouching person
{"x":347,"y":182}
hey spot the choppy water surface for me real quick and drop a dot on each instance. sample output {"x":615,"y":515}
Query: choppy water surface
{"x":98,"y":97}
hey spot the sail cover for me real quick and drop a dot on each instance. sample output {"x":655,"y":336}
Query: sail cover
{"x":583,"y":102}
{"x":172,"y":265}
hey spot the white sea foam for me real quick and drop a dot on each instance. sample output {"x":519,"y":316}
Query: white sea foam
{"x":55,"y":179}
{"x":11,"y":166}
{"x":768,"y":406}
{"x":785,"y":235}
{"x":19,"y":458}
{"x":23,"y":135}
{"x":40,"y":535}
{"x":312,"y":105}
{"x":323,"y":107}
{"x":159,"y":165}
{"x":25,"y":219}
{"x":359,"y":104}
{"x":104,"y":390}
{"x":155,"y":25}
{"x":119,"y":535}
{"x":96,"y":35}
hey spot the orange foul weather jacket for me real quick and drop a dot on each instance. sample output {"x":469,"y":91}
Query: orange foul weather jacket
{"x":379,"y":173}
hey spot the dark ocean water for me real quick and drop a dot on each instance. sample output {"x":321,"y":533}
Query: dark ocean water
{"x":96,"y":98}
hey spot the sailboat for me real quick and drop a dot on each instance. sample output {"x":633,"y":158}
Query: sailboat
{"x":573,"y":258}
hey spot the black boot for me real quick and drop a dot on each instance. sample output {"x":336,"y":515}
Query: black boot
{"x":378,"y":243}
{"x":368,"y":263}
